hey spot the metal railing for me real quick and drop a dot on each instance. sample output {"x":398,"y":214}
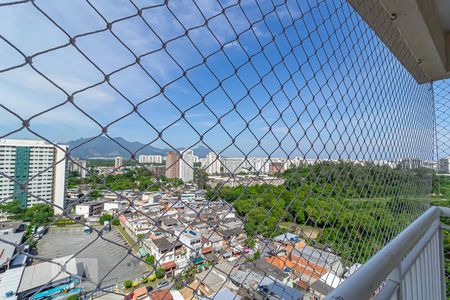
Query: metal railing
{"x":411,"y":266}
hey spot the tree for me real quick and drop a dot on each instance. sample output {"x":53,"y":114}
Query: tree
{"x":38,"y":214}
{"x":13,"y":209}
{"x":160,"y":273}
{"x":127,"y":284}
{"x":95,"y":194}
{"x":150,"y":259}
{"x":200,"y":177}
{"x":115,"y":222}
{"x":105,"y":217}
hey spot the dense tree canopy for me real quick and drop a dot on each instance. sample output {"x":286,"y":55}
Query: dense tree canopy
{"x":358,"y":208}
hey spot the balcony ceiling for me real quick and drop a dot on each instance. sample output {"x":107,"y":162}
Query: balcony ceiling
{"x":416,"y":31}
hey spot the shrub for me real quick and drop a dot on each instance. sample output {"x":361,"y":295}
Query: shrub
{"x":150,"y":259}
{"x":115,"y":222}
{"x":127,"y":284}
{"x":160,"y":273}
{"x":105,"y":217}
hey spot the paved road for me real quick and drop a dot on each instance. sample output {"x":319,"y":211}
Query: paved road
{"x":100,"y":255}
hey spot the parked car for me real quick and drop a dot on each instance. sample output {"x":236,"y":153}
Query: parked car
{"x":107,"y":226}
{"x":162,"y":284}
{"x":87,"y":230}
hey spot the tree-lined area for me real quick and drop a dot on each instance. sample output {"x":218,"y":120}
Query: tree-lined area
{"x":137,"y":178}
{"x":358,"y":208}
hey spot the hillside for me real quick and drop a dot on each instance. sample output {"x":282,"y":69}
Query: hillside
{"x":103,"y":147}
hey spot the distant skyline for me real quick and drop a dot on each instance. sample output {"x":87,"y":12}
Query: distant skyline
{"x":303,"y":95}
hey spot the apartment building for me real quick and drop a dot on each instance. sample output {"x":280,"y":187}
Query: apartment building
{"x":186,"y":172}
{"x":78,"y":165}
{"x":212,"y":163}
{"x":172,"y":165}
{"x":444,"y":165}
{"x":36,"y":166}
{"x":118,"y":162}
{"x":150,"y":159}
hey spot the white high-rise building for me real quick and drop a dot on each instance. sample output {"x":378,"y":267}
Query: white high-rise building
{"x":150,"y":159}
{"x":196,"y":159}
{"x":444,"y":165}
{"x":24,"y":159}
{"x":79,"y":166}
{"x":186,"y":165}
{"x":232,"y":165}
{"x":118,"y":162}
{"x":212,"y":163}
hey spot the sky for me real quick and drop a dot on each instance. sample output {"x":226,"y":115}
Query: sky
{"x":285,"y":78}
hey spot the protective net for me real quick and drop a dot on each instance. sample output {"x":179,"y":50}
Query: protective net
{"x":441,"y":182}
{"x":235,"y":149}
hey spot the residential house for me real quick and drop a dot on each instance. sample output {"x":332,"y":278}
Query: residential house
{"x":169,"y":254}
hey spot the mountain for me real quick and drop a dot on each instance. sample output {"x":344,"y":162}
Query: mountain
{"x":104,"y":147}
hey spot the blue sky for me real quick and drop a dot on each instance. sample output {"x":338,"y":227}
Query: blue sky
{"x":347,"y":94}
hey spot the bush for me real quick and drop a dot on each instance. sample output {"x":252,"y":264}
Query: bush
{"x":116,"y":222}
{"x":105,"y":217}
{"x":160,"y":273}
{"x":150,"y":259}
{"x":127,"y":284}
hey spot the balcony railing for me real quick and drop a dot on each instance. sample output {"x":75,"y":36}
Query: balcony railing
{"x":411,"y":266}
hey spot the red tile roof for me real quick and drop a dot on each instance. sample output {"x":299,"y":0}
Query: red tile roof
{"x":161,"y":295}
{"x":207,"y":249}
{"x":169,"y":265}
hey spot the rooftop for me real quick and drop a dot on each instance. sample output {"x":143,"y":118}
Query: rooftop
{"x":40,"y":274}
{"x":164,"y":244}
{"x":9,"y":282}
{"x":6,"y":249}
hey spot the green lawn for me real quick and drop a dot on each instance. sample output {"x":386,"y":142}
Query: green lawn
{"x":305,"y":231}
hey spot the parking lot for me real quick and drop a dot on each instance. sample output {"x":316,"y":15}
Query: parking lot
{"x":100,"y":256}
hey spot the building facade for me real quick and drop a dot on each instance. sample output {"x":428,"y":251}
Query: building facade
{"x":232,"y":165}
{"x":212,"y":163}
{"x":186,"y":172}
{"x":79,"y":166}
{"x":150,"y":159}
{"x":172,"y":165}
{"x":444,"y":165}
{"x":118,"y":162}
{"x":38,"y":169}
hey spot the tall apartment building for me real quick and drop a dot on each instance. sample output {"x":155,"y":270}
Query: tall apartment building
{"x":276,"y":167}
{"x":24,"y":160}
{"x":187,"y":165}
{"x":150,"y":159}
{"x":118,"y":162}
{"x":233,"y":165}
{"x":78,"y":165}
{"x":172,"y":165}
{"x":212,"y":163}
{"x":259,"y":164}
{"x":444,"y":165}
